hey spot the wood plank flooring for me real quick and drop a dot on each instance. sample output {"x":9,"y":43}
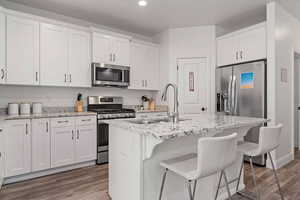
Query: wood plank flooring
{"x":91,"y":183}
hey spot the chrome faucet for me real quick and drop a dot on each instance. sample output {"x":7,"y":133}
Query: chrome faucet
{"x":175,"y":114}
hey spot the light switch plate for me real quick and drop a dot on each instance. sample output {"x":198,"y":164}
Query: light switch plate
{"x":283,"y":75}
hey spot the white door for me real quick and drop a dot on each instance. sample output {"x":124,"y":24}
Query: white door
{"x":40,"y":144}
{"x":17,"y":144}
{"x":80,"y":59}
{"x":2,"y":49}
{"x":54,"y":55}
{"x":22,"y":51}
{"x":102,"y":48}
{"x":62,"y":141}
{"x":1,"y":156}
{"x":193,"y":84}
{"x":121,"y":51}
{"x":227,"y":52}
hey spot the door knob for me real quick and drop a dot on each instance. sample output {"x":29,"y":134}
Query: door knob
{"x":203,"y":109}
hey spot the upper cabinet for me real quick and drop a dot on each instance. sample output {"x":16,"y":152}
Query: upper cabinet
{"x":22,"y":51}
{"x":111,"y":50}
{"x":144,"y":72}
{"x":242,"y":46}
{"x":65,"y":56}
{"x":2,"y":49}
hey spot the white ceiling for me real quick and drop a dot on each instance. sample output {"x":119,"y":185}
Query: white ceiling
{"x":159,"y":14}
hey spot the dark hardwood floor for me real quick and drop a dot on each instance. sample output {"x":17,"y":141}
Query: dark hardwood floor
{"x":91,"y":183}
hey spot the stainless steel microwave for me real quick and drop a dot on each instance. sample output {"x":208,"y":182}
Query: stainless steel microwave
{"x":110,"y":75}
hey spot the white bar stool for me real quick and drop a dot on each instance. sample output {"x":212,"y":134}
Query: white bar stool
{"x":214,"y":155}
{"x":269,"y":138}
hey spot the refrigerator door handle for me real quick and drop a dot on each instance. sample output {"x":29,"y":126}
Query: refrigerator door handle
{"x":234,"y":96}
{"x":229,"y":102}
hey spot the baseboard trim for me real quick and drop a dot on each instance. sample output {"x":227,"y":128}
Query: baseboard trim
{"x":33,"y":175}
{"x":282,"y":161}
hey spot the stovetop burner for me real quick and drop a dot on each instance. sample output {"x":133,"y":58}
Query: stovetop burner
{"x":112,"y":111}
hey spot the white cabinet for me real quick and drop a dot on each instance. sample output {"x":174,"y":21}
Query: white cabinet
{"x":1,"y":156}
{"x":242,"y":46}
{"x":2,"y":49}
{"x":65,"y":56}
{"x":17,"y":145}
{"x":144,"y":73}
{"x":80,"y":59}
{"x":40,"y":144}
{"x":73,"y":140}
{"x":111,"y":50}
{"x":54,"y":55}
{"x":22,"y":51}
{"x":86,"y":139}
{"x":62,"y":141}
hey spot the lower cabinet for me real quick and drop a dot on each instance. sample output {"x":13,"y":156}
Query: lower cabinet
{"x":73,"y":140}
{"x":17,"y":147}
{"x":40,"y":144}
{"x":1,"y":157}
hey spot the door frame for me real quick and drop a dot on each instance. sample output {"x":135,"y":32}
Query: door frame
{"x":209,"y":98}
{"x":296,"y":55}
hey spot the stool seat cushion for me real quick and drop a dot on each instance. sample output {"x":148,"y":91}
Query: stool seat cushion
{"x":248,"y":148}
{"x":185,"y":166}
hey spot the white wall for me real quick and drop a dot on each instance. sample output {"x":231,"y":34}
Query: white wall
{"x":60,"y":96}
{"x":187,"y":43}
{"x":283,"y":41}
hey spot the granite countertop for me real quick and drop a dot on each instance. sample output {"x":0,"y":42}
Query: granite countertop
{"x":191,"y":124}
{"x":46,"y":115}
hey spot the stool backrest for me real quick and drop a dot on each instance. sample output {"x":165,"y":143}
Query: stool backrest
{"x":269,"y":138}
{"x":216,"y":154}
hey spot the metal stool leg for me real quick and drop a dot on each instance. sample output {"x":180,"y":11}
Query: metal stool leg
{"x":220,"y":179}
{"x":240,"y":174}
{"x":163,"y":184}
{"x":189,"y":186}
{"x":254,"y":178}
{"x":195,"y":186}
{"x":227,"y":185}
{"x":276,"y":177}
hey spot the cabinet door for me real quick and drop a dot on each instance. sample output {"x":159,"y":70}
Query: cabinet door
{"x":62,"y":142}
{"x":227,"y":51}
{"x":121,"y":51}
{"x":80,"y":59}
{"x":102,"y":48}
{"x":1,"y":157}
{"x":54,"y":55}
{"x":151,"y":70}
{"x":86,"y":139}
{"x":22,"y":51}
{"x":252,"y":45}
{"x":40,"y":144}
{"x":17,"y":144}
{"x":137,"y":73}
{"x":2,"y":49}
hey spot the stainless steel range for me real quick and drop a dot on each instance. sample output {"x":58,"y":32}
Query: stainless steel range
{"x":106,"y":108}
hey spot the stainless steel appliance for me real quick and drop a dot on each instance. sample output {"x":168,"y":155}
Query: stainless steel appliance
{"x":110,"y":75}
{"x":106,"y":108}
{"x":241,"y":91}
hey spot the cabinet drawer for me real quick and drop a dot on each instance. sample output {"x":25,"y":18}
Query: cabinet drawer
{"x":62,"y":122}
{"x":86,"y":120}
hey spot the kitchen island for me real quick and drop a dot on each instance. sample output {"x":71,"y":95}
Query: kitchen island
{"x":137,"y":146}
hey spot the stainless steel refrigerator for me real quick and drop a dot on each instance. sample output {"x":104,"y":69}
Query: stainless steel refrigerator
{"x":241,"y":91}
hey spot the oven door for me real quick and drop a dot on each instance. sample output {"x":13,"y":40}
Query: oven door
{"x":102,"y":136}
{"x":110,"y":75}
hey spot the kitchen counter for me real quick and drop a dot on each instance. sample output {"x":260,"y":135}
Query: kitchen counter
{"x":138,"y":148}
{"x":196,"y":124}
{"x":46,"y":115}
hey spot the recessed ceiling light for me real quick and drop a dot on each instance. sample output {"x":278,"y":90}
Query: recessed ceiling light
{"x":143,"y":3}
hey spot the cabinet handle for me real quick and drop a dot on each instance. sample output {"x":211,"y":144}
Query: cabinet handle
{"x":114,"y":57}
{"x":237,"y":55}
{"x":3,"y":74}
{"x":70,"y":75}
{"x":146,"y":83}
{"x":72,"y":134}
{"x":86,"y":120}
{"x":36,"y":76}
{"x":47,"y":127}
{"x":65,"y":78}
{"x":241,"y":55}
{"x":26,"y":129}
{"x":77,"y":134}
{"x":110,"y":57}
{"x":66,"y":121}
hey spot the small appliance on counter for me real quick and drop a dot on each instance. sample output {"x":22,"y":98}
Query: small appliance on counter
{"x":25,"y":109}
{"x":106,"y":108}
{"x":13,"y":109}
{"x":37,"y":108}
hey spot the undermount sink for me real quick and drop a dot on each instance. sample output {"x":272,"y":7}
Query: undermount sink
{"x":153,"y":121}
